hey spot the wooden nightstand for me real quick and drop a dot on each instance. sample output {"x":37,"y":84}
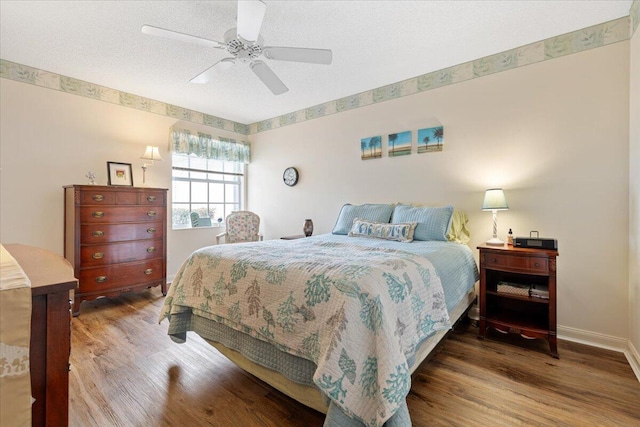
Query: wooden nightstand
{"x":507,"y":311}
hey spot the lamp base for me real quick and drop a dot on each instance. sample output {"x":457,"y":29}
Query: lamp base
{"x":494,"y":242}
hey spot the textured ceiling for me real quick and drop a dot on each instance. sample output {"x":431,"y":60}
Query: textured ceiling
{"x":374,"y":43}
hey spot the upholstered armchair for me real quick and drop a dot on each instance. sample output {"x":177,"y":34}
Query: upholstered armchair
{"x":242,"y":226}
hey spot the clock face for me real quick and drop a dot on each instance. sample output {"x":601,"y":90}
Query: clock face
{"x":290,"y":176}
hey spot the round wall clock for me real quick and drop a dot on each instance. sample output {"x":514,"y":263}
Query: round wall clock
{"x":290,"y":176}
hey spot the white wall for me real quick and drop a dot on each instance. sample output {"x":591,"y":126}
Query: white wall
{"x":554,"y":135}
{"x":49,"y":139}
{"x":634,"y":197}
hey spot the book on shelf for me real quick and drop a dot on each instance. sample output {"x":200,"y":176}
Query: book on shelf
{"x":539,"y":291}
{"x":513,"y":288}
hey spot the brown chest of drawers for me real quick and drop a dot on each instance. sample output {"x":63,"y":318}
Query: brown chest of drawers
{"x":115,"y":238}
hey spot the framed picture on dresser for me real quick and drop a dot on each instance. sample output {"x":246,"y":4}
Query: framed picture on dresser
{"x":119,"y":173}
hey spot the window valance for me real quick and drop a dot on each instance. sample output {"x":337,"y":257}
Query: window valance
{"x":206,"y":146}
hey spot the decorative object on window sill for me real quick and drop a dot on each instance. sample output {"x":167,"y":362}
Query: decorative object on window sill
{"x":494,"y":201}
{"x":91,"y":177}
{"x":290,"y":176}
{"x":152,"y":154}
{"x":308,"y":227}
{"x":119,"y":174}
{"x":219,"y":221}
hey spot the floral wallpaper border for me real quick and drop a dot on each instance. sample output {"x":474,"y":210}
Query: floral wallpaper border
{"x":588,"y":38}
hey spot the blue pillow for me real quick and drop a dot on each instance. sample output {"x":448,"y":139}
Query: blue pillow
{"x":433,"y":223}
{"x":369,"y":212}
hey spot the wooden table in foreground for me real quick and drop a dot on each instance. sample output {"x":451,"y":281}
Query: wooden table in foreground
{"x":51,"y":279}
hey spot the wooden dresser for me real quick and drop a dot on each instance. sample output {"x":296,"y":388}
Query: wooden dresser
{"x":50,"y":343}
{"x":115,"y":237}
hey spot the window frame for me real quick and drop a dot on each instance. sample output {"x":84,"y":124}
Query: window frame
{"x":241,"y":184}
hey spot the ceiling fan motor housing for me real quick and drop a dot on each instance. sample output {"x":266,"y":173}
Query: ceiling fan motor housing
{"x":241,"y":49}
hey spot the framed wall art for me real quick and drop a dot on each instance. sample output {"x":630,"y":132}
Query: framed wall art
{"x":371,"y":148}
{"x":119,"y":173}
{"x":400,"y":144}
{"x":430,"y":139}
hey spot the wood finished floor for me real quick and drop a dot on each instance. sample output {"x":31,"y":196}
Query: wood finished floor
{"x":125,"y":371}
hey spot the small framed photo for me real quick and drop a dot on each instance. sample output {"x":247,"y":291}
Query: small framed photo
{"x":119,"y":173}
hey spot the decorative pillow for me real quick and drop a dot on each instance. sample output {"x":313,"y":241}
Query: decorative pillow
{"x":458,"y":231}
{"x":401,"y":232}
{"x":369,"y":212}
{"x":433,"y":222}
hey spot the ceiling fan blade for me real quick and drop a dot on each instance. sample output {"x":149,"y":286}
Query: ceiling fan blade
{"x":268,"y":77}
{"x":214,"y":71}
{"x":298,"y":54}
{"x":174,"y":35}
{"x":250,"y":16}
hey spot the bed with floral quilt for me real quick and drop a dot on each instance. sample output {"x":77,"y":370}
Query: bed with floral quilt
{"x":341,"y":313}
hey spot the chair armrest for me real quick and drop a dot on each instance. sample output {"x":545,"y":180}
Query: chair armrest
{"x":219,"y":236}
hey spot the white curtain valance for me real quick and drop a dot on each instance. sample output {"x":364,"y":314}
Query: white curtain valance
{"x":208,"y":147}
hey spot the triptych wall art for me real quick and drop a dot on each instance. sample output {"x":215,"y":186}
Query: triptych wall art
{"x":400,"y":144}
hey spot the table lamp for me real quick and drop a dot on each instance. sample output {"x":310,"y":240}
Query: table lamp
{"x":495,"y":201}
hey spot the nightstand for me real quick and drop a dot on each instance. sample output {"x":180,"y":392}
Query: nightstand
{"x":506,"y":272}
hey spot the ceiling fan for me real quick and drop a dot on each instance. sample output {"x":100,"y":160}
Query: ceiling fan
{"x":245,"y":45}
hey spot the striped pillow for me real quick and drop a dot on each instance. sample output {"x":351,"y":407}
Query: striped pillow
{"x":433,"y":223}
{"x":369,"y":212}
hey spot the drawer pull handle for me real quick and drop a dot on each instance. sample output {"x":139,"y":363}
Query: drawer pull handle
{"x":98,"y":214}
{"x":101,"y":279}
{"x":98,"y":233}
{"x":148,"y":271}
{"x":98,"y":255}
{"x":151,"y":249}
{"x":151,"y":213}
{"x":151,"y":198}
{"x":537,"y":264}
{"x":151,"y":230}
{"x":98,"y":197}
{"x":495,"y":260}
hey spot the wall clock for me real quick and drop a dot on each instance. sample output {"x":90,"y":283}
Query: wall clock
{"x":290,"y":176}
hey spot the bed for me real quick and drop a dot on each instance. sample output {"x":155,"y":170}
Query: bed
{"x":337,"y":321}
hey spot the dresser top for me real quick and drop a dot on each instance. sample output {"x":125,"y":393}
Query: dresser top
{"x":113,"y":187}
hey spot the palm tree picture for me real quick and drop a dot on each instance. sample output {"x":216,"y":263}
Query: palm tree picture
{"x":400,"y":144}
{"x":371,"y":148}
{"x":430,"y":139}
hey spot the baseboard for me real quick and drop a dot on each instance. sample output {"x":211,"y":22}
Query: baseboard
{"x":593,"y":339}
{"x":634,"y":359}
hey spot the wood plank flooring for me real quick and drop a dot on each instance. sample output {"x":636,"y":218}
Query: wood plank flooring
{"x":125,"y":371}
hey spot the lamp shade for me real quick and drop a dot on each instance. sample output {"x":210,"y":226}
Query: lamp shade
{"x":494,"y":200}
{"x":151,"y":153}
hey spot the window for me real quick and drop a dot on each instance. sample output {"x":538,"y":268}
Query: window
{"x":212,"y":188}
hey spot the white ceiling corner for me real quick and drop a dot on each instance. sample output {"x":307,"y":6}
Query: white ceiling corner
{"x":374,"y":43}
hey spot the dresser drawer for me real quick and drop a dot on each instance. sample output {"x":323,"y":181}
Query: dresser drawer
{"x":117,"y":276}
{"x":97,"y":197}
{"x":153,"y":198}
{"x":114,"y":253}
{"x":108,"y":214}
{"x":516,"y":263}
{"x":107,"y":233}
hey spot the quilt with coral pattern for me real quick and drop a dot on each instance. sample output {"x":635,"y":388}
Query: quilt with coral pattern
{"x":358,"y":312}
